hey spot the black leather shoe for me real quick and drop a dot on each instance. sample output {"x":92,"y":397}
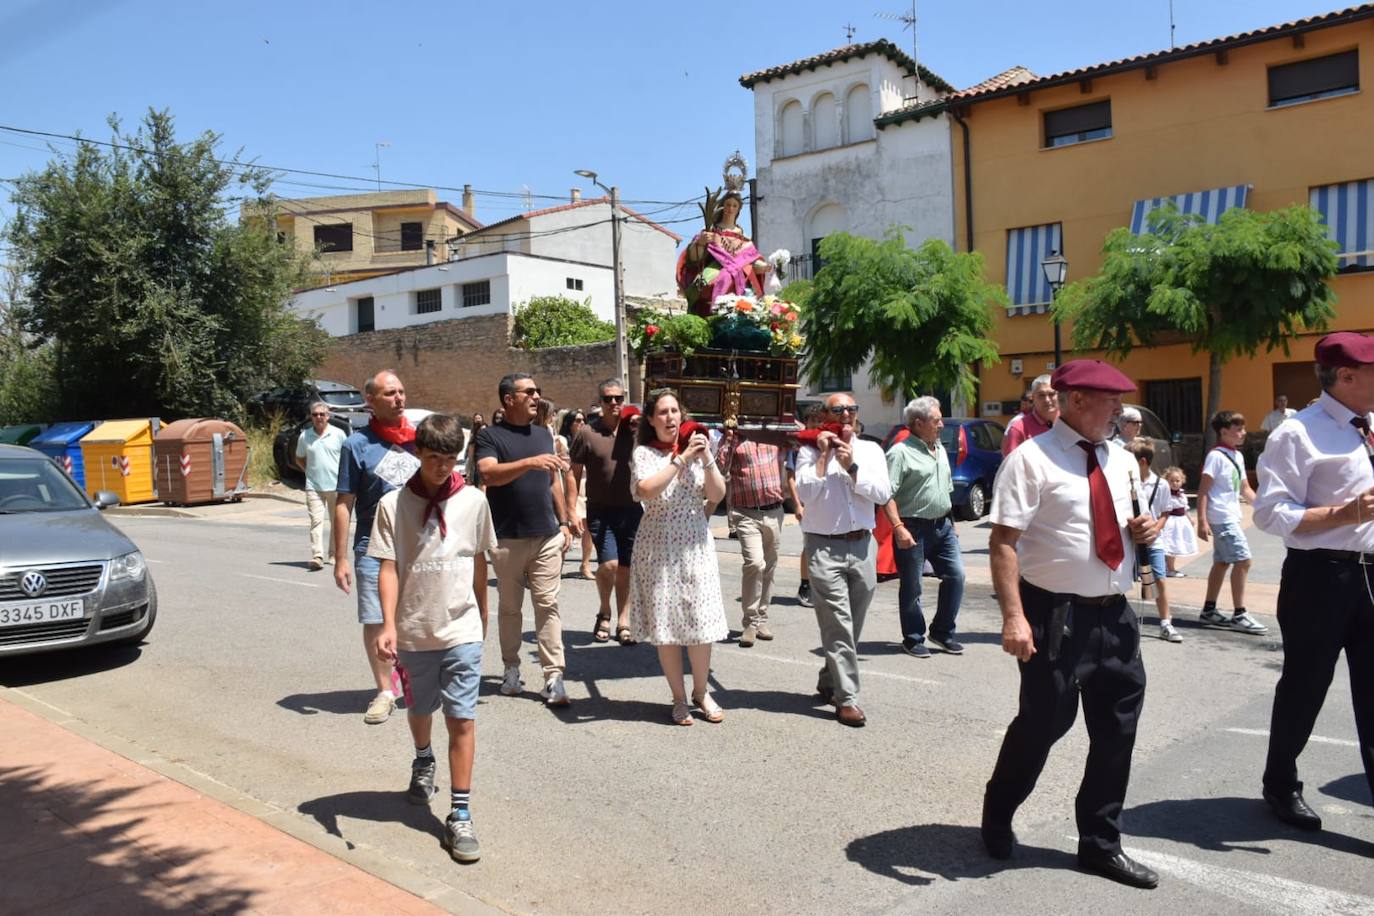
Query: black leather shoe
{"x":1119,"y":867}
{"x":997,"y":836}
{"x":1290,"y":808}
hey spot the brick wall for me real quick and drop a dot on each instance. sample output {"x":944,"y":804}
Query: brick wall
{"x":454,"y":365}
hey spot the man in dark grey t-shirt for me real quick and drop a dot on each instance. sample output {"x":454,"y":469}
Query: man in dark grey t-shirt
{"x":524,"y":481}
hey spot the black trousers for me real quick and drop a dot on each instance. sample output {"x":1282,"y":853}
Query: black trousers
{"x":1099,"y":659}
{"x":1324,"y":607}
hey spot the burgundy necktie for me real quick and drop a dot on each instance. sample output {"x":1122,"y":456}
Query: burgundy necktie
{"x":1360,"y":423}
{"x":1106,"y":532}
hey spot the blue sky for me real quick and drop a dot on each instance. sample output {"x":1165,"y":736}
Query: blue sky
{"x":512,"y":95}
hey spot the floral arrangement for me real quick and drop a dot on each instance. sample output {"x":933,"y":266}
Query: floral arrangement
{"x":745,"y":323}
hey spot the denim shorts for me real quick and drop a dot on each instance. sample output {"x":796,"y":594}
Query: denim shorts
{"x":1229,"y":543}
{"x":365,"y":581}
{"x":444,"y":677}
{"x":613,"y":531}
{"x":1157,"y":563}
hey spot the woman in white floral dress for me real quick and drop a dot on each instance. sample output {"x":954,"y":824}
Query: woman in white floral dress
{"x":675,"y":581}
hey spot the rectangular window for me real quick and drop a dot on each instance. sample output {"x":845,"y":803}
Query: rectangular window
{"x":478,"y":293}
{"x":574,"y":284}
{"x":366,"y":320}
{"x":1027,"y":247}
{"x":1078,"y":124}
{"x":412,"y":236}
{"x":1318,"y":78}
{"x":836,"y":382}
{"x":427,"y":300}
{"x":336,"y":237}
{"x":817,"y":262}
{"x":1348,"y":211}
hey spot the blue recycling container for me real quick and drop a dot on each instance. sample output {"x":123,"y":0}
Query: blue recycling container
{"x":62,"y":443}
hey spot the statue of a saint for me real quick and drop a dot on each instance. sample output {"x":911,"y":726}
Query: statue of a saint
{"x":721,"y":260}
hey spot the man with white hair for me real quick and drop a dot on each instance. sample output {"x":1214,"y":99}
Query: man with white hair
{"x":1127,"y":426}
{"x":922,"y":529}
{"x":1044,"y":411}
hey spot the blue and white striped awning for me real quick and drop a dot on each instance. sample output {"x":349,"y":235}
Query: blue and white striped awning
{"x":1207,"y":204}
{"x":1026,"y":286}
{"x":1349,"y":219}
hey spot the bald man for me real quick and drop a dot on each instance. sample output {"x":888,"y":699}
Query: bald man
{"x":376,"y":459}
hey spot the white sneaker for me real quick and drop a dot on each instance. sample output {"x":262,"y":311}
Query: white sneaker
{"x":1168,"y":633}
{"x":554,"y":693}
{"x":1247,"y":624}
{"x":379,"y":710}
{"x":511,"y":683}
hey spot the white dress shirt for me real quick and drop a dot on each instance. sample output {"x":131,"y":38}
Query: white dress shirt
{"x":838,"y":503}
{"x":1042,"y":491}
{"x":1275,"y":417}
{"x":1314,"y":459}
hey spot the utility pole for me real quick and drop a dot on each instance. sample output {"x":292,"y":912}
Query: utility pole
{"x":622,"y":361}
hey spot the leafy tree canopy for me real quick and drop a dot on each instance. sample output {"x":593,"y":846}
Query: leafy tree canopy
{"x":150,"y":297}
{"x":557,"y":321}
{"x":921,"y":316}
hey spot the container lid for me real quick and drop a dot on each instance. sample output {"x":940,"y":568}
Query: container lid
{"x":64,"y":433}
{"x":119,"y":431}
{"x":198,"y":429}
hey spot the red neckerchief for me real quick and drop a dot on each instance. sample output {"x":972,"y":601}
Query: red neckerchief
{"x":402,"y":434}
{"x":435,"y":503}
{"x":809,"y":436}
{"x":684,"y":436}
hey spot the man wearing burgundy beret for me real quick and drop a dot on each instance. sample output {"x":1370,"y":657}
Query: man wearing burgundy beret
{"x":1316,"y":491}
{"x":1062,"y":527}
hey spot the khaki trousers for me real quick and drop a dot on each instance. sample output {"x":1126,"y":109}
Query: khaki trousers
{"x":320,"y":505}
{"x":759,"y":533}
{"x":538,"y":561}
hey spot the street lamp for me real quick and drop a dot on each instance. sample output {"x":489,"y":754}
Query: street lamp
{"x":1056,"y":268}
{"x":622,"y":361}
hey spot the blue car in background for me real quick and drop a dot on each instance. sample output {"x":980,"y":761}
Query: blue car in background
{"x":975,"y":454}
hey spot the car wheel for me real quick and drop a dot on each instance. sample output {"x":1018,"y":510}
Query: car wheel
{"x":147,"y":621}
{"x":977,"y":505}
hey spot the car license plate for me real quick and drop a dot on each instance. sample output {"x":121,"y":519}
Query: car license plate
{"x":17,"y":615}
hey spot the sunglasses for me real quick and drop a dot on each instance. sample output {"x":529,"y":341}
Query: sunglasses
{"x":527,"y":391}
{"x":842,"y":409}
{"x":613,"y":399}
{"x":319,"y":415}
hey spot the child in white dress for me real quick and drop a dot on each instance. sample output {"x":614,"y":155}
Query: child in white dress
{"x":1179,"y":538}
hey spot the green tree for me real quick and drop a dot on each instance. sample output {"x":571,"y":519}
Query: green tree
{"x":151,"y":298}
{"x":557,"y":321}
{"x":1254,"y":279}
{"x":920,"y":317}
{"x":26,"y":370}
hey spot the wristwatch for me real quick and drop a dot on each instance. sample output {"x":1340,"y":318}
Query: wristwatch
{"x":853,"y":467}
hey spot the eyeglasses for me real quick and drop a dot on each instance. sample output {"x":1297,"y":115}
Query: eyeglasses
{"x":320,"y":415}
{"x":579,"y":419}
{"x":527,"y":391}
{"x":613,"y":399}
{"x":842,"y":409}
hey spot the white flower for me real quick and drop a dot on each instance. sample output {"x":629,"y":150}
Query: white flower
{"x":780,"y":259}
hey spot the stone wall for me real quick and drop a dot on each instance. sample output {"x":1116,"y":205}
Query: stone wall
{"x":455,"y":365}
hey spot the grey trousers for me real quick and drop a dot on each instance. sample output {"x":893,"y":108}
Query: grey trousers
{"x":843,"y":579}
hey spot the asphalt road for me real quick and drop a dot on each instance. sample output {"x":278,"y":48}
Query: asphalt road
{"x":254,"y":677}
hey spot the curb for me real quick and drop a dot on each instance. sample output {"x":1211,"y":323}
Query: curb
{"x":152,"y":511}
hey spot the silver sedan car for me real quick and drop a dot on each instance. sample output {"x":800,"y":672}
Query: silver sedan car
{"x":67,"y":577}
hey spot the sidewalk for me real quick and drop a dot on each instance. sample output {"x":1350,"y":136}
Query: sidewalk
{"x":84,"y":830}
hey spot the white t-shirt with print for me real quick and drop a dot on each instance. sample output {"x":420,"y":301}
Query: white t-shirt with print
{"x":1223,"y":499}
{"x":436,"y":608}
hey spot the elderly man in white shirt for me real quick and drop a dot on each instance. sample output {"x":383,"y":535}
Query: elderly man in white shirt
{"x":840,"y":480}
{"x":1276,"y":416}
{"x":1317,"y":492}
{"x":1062,"y":525}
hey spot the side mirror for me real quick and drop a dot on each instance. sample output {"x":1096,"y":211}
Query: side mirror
{"x":105,"y":499}
{"x":1176,"y":438}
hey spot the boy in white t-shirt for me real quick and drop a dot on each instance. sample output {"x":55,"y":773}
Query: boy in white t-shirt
{"x":1223,"y":486}
{"x":431,"y":537}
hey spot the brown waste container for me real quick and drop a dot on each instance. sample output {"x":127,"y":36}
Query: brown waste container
{"x":200,"y":461}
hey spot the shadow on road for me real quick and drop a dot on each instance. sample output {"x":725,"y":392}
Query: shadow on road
{"x":338,"y":702}
{"x":1352,"y":788}
{"x":382,"y":807}
{"x":294,"y":564}
{"x":912,"y":855}
{"x":48,"y":667}
{"x":71,"y":846}
{"x":1229,"y":825}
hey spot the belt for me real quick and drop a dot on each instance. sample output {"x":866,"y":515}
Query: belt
{"x":1084,"y":600}
{"x":1337,"y":556}
{"x":928,"y":521}
{"x":1179,"y":511}
{"x":765,"y":508}
{"x":858,"y":535}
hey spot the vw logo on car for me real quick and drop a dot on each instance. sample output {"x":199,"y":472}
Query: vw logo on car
{"x":33,"y":584}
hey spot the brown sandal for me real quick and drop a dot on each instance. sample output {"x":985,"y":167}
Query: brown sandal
{"x":622,"y":636}
{"x":602,"y":632}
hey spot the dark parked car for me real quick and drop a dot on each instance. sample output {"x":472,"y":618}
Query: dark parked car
{"x":1153,"y":428}
{"x":975,"y":454}
{"x":67,"y":577}
{"x":345,"y":402}
{"x":284,"y":447}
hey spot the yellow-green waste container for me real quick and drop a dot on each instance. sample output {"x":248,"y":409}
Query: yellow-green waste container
{"x":118,"y":455}
{"x":21,"y":434}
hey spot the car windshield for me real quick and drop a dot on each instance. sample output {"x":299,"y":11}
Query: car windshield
{"x":343,"y":398}
{"x":36,"y":485}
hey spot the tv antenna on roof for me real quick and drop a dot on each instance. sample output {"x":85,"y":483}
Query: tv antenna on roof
{"x":527,"y":197}
{"x":1172,"y":46}
{"x":849,"y":34}
{"x":908,"y":21}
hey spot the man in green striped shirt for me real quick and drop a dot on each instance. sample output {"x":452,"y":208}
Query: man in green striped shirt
{"x":922,"y":529}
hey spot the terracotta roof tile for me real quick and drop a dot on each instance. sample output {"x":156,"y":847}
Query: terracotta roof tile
{"x":1008,"y":77}
{"x":591,"y":201}
{"x":848,"y":52}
